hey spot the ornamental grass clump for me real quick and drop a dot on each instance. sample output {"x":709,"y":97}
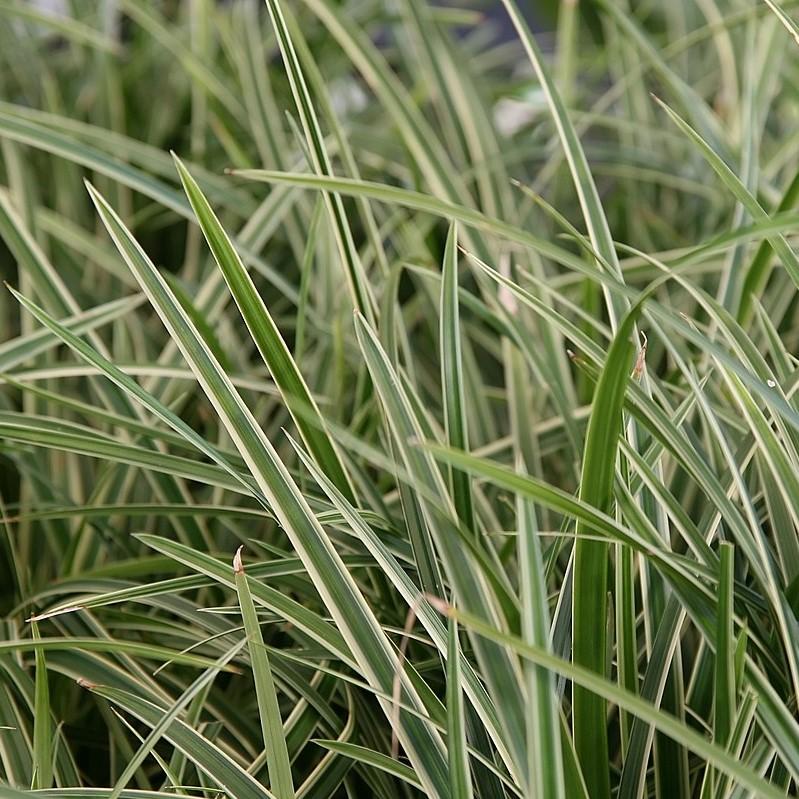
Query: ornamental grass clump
{"x":395,"y":402}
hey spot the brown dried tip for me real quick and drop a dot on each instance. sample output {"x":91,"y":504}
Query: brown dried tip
{"x":84,"y":683}
{"x":441,"y":605}
{"x":238,"y":566}
{"x":640,"y":361}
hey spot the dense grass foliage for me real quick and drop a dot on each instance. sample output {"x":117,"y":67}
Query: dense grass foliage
{"x":390,"y":409}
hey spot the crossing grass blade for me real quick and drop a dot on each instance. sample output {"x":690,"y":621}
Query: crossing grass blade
{"x":210,"y":759}
{"x":310,"y":623}
{"x":363,"y":300}
{"x":592,"y":209}
{"x":262,"y":327}
{"x":339,"y":591}
{"x":425,"y":613}
{"x":131,"y":387}
{"x":784,"y":18}
{"x":611,"y":692}
{"x":99,"y":644}
{"x":372,"y":759}
{"x":469,"y":579}
{"x":740,"y":192}
{"x":419,"y":201}
{"x":757,"y":274}
{"x":35,"y":135}
{"x":103,"y":447}
{"x":15,"y":351}
{"x":148,"y":744}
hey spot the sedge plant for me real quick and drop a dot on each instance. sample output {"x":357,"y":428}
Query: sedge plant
{"x":397,"y":402}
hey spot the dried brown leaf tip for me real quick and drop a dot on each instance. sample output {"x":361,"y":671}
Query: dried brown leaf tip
{"x":439,"y":604}
{"x":238,"y":566}
{"x":640,"y":361}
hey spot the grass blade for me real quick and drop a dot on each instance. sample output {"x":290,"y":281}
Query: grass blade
{"x":342,"y":597}
{"x":734,"y":184}
{"x":452,"y":379}
{"x":459,"y":774}
{"x":363,"y":300}
{"x":611,"y":692}
{"x":270,"y":343}
{"x":42,"y":728}
{"x":545,"y":775}
{"x":277,"y":755}
{"x":594,"y":215}
{"x":210,"y":759}
{"x":589,"y":641}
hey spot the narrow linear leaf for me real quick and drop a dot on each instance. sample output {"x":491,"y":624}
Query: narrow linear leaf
{"x":267,"y":337}
{"x":277,"y":755}
{"x":589,"y":628}
{"x":459,"y":773}
{"x":340,"y":593}
{"x":452,"y":378}
{"x":42,"y":727}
